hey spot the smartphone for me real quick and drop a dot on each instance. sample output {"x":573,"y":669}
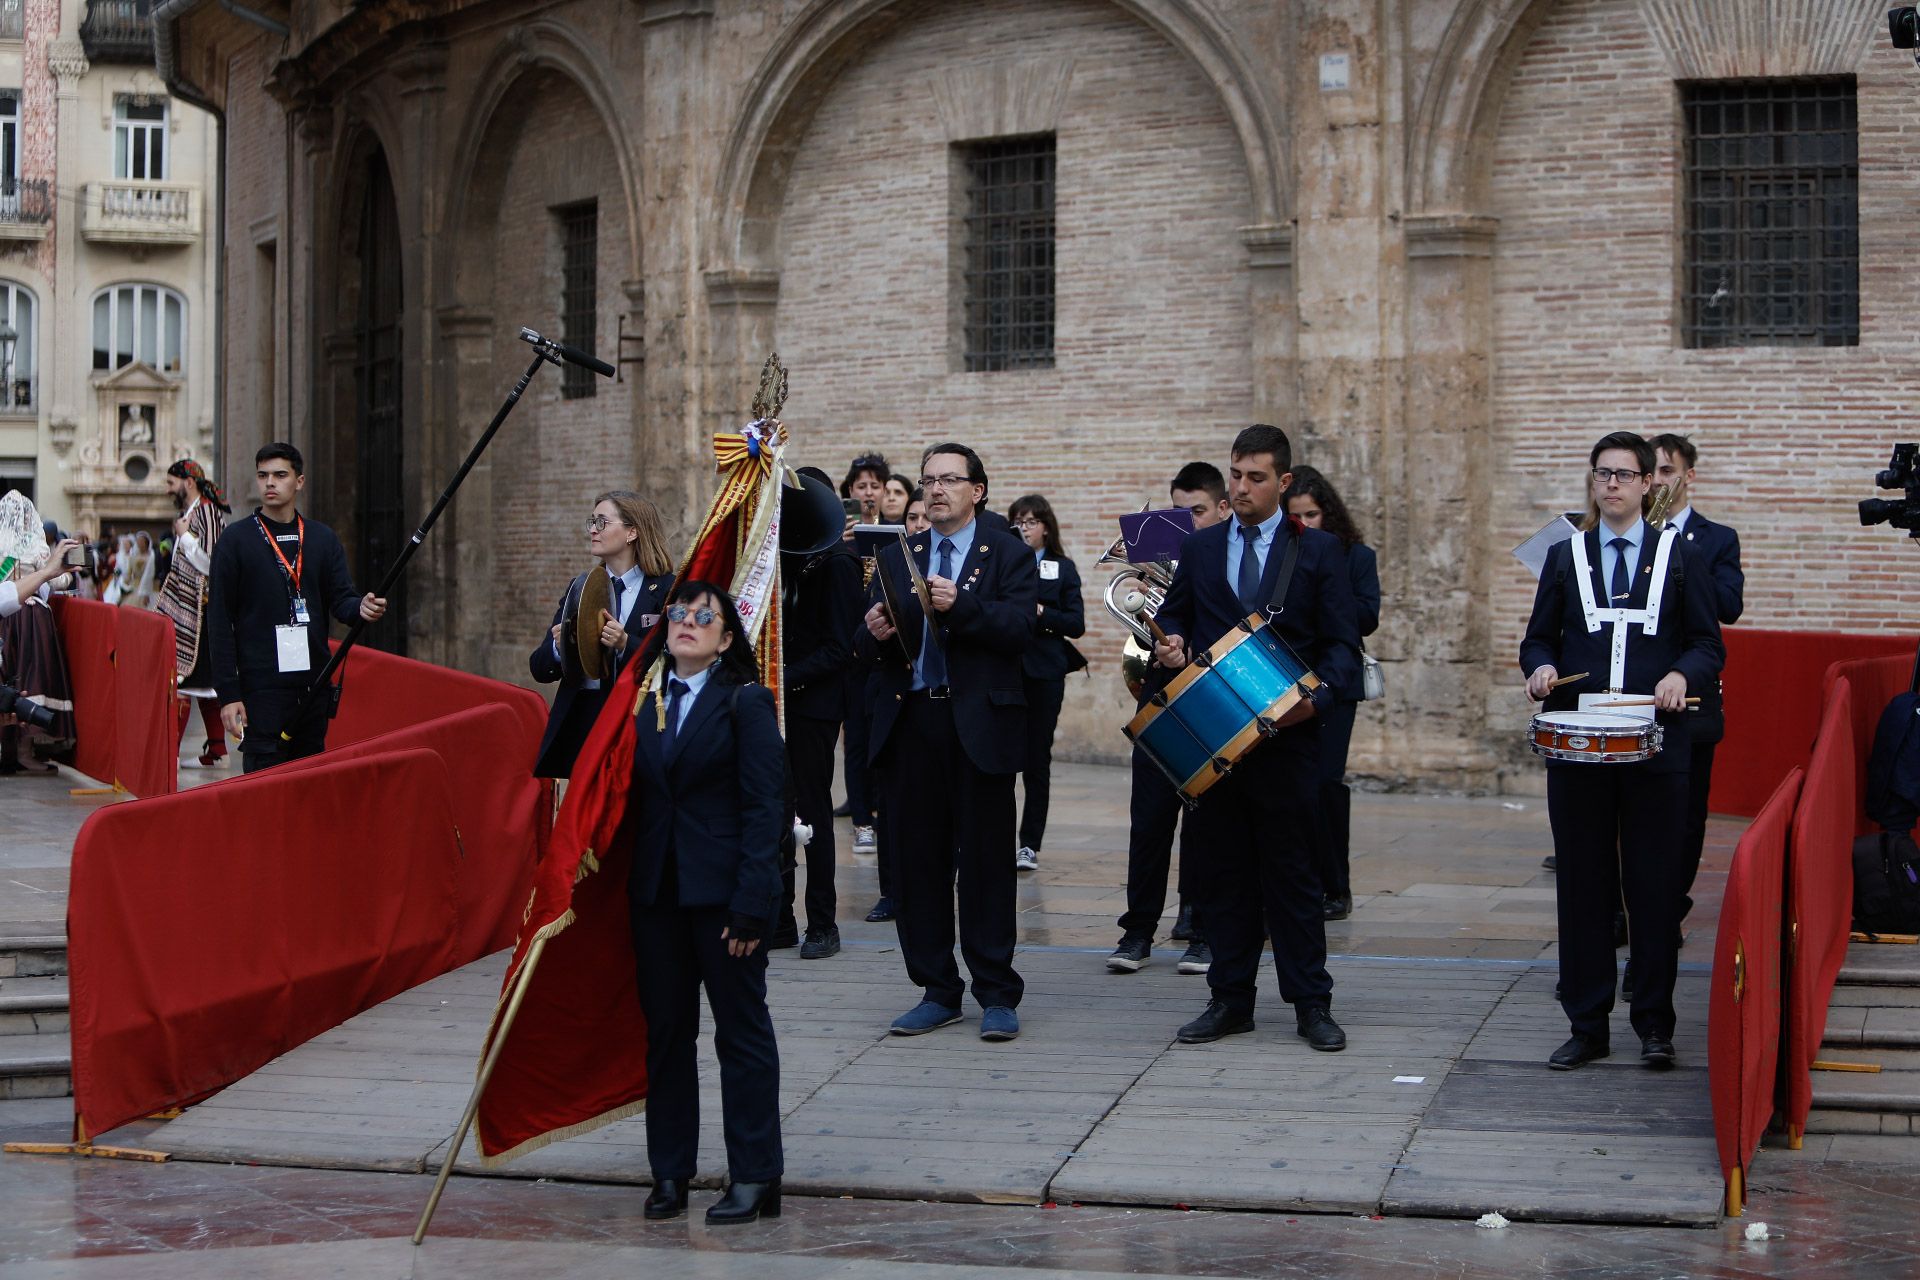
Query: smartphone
{"x":81,"y":557}
{"x":851,"y":506}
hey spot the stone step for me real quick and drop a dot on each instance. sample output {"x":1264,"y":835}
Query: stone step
{"x":31,"y":1006}
{"x":1893,"y":1090}
{"x":1888,"y":1123}
{"x":1880,"y":964}
{"x":36,"y":1066}
{"x":32,"y":955}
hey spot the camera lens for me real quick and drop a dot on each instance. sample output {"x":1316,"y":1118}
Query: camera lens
{"x":1879,"y":510}
{"x":1903,"y":26}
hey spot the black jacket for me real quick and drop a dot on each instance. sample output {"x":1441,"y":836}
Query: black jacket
{"x":1062,"y":618}
{"x":1718,"y":546}
{"x":823,"y":606}
{"x":1318,"y":620}
{"x":983,"y":636}
{"x":576,"y":707}
{"x":1688,"y":639}
{"x":249,"y":596}
{"x":1363,"y":571}
{"x":715,"y":805}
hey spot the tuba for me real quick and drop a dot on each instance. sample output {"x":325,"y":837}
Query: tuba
{"x":1133,"y":596}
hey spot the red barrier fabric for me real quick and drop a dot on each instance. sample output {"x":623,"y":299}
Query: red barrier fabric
{"x":382,"y":692}
{"x":500,"y":809}
{"x":146,"y":751}
{"x":1875,"y":681}
{"x":197,"y":958}
{"x":1819,"y":896}
{"x":89,"y":631}
{"x":1773,"y":706}
{"x":1743,"y":1009}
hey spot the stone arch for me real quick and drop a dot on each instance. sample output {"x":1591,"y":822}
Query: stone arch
{"x":537,"y":46}
{"x":829,"y":35}
{"x":1449,"y":156}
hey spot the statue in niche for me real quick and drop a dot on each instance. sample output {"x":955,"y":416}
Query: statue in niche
{"x":136,"y":427}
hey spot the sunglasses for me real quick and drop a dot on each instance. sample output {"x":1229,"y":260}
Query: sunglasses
{"x":703,"y":615}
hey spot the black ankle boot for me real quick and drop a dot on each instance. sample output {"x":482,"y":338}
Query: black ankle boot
{"x":746,"y":1202}
{"x":668,"y":1199}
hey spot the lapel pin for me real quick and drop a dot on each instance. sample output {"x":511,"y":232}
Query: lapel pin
{"x":918,"y":547}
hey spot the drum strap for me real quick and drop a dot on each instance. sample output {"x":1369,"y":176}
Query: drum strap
{"x":1620,"y":620}
{"x":1287,"y":561}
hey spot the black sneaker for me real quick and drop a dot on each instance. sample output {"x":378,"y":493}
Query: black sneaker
{"x":1183,"y":924}
{"x":1198,"y":959}
{"x":821,"y":943}
{"x":1130,"y":954}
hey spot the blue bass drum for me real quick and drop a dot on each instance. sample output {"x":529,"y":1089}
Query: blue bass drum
{"x":1221,"y":706}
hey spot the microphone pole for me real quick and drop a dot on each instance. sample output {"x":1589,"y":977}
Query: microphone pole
{"x":545,"y":351}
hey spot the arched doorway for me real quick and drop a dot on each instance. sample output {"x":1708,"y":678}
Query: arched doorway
{"x":380,"y":517}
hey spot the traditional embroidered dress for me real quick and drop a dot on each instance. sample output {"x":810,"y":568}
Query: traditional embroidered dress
{"x":183,"y":596}
{"x":31,"y":659}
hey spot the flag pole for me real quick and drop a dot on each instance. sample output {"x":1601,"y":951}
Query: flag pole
{"x":520,"y":984}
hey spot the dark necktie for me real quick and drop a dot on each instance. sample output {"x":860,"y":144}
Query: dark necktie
{"x":619,"y":585}
{"x":1621,"y":587}
{"x":933,"y":663}
{"x":675,"y":688}
{"x":1248,"y":587}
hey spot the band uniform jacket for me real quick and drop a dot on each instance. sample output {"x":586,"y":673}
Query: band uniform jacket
{"x":576,"y":707}
{"x":713,"y":803}
{"x":1061,"y":620}
{"x":1318,"y":620}
{"x":823,"y":608}
{"x":1363,"y":571}
{"x":984,"y":637}
{"x":1688,"y":639}
{"x":1718,"y":546}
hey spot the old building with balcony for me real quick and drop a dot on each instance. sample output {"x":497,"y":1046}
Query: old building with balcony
{"x":107,"y":272}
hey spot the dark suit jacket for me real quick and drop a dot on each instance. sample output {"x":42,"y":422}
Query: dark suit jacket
{"x":1319,"y":620}
{"x":714,"y":804}
{"x":983,"y":636}
{"x":576,"y":707}
{"x":1688,"y":640}
{"x":823,"y":606}
{"x":1719,"y":547}
{"x":1363,"y":570}
{"x":1062,"y":619}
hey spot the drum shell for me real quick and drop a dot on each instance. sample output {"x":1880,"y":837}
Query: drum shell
{"x":1621,"y":740}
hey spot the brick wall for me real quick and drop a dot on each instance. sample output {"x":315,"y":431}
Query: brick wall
{"x":1153,"y":367}
{"x":1586,"y":186}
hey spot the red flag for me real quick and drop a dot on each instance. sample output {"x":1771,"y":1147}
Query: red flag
{"x":576,"y":1055}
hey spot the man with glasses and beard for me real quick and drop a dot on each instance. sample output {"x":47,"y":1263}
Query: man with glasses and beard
{"x":949,"y":724}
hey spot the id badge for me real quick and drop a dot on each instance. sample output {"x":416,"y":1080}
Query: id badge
{"x":1050,"y":569}
{"x":300,"y":614}
{"x":290,"y":647}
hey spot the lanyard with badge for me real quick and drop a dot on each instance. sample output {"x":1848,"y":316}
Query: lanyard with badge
{"x":290,"y":638}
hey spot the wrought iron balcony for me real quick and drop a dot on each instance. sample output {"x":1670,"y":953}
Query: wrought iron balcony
{"x":129,"y":211}
{"x":118,"y":31}
{"x":26,"y":207}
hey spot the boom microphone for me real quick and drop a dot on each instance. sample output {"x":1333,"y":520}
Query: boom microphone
{"x":557,"y":352}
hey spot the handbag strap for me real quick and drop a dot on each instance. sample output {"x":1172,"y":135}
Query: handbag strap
{"x":1287,"y":561}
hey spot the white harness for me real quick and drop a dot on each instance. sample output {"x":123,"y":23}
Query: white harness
{"x":1648,"y":618}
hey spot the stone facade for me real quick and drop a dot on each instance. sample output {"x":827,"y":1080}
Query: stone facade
{"x":1436,"y":240}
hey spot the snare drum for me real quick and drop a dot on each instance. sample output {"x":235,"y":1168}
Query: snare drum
{"x":1597,"y":737}
{"x":1221,"y":706}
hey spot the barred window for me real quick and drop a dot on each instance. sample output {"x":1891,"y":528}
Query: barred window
{"x":1772,"y":242}
{"x":1009,"y":253}
{"x":579,"y":291}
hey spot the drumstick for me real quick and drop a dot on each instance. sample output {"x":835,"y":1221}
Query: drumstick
{"x":1555,"y":684}
{"x":1639,"y":702}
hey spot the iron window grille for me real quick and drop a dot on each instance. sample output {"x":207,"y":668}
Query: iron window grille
{"x":579,"y":292}
{"x":1009,"y":253}
{"x":1772,"y":239}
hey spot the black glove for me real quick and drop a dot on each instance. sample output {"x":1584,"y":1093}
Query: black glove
{"x":746,"y":928}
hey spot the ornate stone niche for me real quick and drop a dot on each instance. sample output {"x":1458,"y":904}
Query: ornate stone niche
{"x":121,"y":458}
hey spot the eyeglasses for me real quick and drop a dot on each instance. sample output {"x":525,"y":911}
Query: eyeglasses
{"x":943,"y":482}
{"x":703,"y":615}
{"x":1607,"y":475}
{"x":1028,"y":523}
{"x":599,"y":523}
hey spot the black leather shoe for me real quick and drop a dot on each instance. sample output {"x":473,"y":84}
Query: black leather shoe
{"x":668,"y":1199}
{"x":1626,"y":982}
{"x":1317,"y":1027}
{"x":746,"y":1202}
{"x":1657,"y":1052}
{"x":844,"y":809}
{"x":1577,"y":1053}
{"x":1183,"y":924}
{"x":1216,"y":1022}
{"x":785,"y":934}
{"x":1336,"y":908}
{"x":882,"y":911}
{"x":1550,"y":863}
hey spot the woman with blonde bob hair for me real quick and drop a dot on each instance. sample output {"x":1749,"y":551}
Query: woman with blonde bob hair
{"x":625,"y":535}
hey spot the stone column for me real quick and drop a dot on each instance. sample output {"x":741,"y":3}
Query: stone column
{"x":1272,"y":312}
{"x":64,"y":362}
{"x":1435,"y":634}
{"x":470,"y":396}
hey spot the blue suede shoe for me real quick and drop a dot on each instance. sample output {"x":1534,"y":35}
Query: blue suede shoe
{"x":924,"y":1017}
{"x":999,"y":1023}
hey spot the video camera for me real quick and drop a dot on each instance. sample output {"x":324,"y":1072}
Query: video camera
{"x":29,"y":711}
{"x":1901,"y":473}
{"x":1903,"y":25}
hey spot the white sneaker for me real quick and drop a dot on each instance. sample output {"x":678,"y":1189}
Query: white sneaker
{"x":863,"y":840}
{"x":1026,"y":860}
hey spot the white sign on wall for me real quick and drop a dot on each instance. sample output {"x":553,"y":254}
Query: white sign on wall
{"x":1333,"y":73}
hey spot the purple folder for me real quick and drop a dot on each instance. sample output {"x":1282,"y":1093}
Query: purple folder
{"x":1155,"y":535}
